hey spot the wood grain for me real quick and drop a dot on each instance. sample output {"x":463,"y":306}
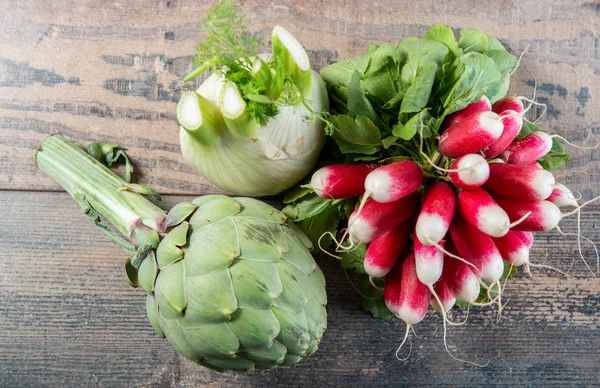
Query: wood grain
{"x":99,"y":70}
{"x":69,"y":318}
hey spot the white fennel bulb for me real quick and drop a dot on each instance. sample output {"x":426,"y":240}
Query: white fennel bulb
{"x":221,"y":133}
{"x":276,"y":157}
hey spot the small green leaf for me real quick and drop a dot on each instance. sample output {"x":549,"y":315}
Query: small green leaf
{"x":296,"y":193}
{"x":393,"y":159}
{"x":444,"y":35}
{"x":394,"y":101}
{"x":140,"y":189}
{"x":418,"y":93}
{"x":473,"y":40}
{"x":509,"y":271}
{"x":554,"y":162}
{"x":363,"y":158}
{"x":414,"y":53}
{"x":306,"y":207}
{"x":372,"y":298}
{"x":131,"y":274}
{"x":505,"y":61}
{"x":498,"y":90}
{"x":358,"y":103}
{"x":316,"y":226}
{"x":358,"y":135}
{"x":354,"y":259}
{"x":389,"y":141}
{"x":340,"y":74}
{"x":381,"y":78}
{"x":108,"y":154}
{"x":527,"y":128}
{"x":413,"y":126}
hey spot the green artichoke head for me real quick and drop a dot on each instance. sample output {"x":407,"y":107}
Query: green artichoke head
{"x":232,"y":285}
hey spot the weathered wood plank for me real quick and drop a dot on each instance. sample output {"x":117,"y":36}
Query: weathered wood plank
{"x":99,"y":70}
{"x":69,"y":318}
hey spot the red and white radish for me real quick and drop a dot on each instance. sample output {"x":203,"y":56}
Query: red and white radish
{"x":479,"y":209}
{"x":376,"y":218}
{"x":383,"y":252}
{"x":528,"y":149}
{"x":393,"y":181}
{"x":469,"y":171}
{"x":471,"y":135}
{"x":439,"y":202}
{"x":481,"y":105}
{"x":544,"y":215}
{"x":429,"y":261}
{"x":519,"y":182}
{"x":513,"y":248}
{"x":508,"y":103}
{"x":478,"y":249}
{"x":443,"y":292}
{"x":340,"y":180}
{"x":412,"y":301}
{"x":562,"y":196}
{"x":391,"y":288}
{"x":460,"y":279}
{"x":512,"y":126}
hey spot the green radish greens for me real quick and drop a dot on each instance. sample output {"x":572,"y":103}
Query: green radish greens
{"x":254,"y":127}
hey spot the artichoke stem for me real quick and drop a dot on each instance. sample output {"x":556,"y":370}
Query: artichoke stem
{"x":90,"y":182}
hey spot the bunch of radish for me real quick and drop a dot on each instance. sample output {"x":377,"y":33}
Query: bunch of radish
{"x":438,"y":237}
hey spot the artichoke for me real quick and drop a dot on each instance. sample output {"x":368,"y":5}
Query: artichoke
{"x":230,"y":281}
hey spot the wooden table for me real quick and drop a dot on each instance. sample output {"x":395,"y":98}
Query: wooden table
{"x":99,"y":70}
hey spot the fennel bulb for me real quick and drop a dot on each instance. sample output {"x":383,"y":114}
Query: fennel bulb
{"x":272,"y":159}
{"x":255,"y":126}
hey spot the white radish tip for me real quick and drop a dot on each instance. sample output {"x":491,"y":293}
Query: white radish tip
{"x":492,"y":123}
{"x":493,"y":271}
{"x":378,"y":183}
{"x":520,"y":256}
{"x":493,"y":221}
{"x":551,"y":215}
{"x":375,"y":271}
{"x":408,"y":315}
{"x":547,"y":139}
{"x":469,"y":291}
{"x":543,"y":182}
{"x":430,"y":229}
{"x":476,"y":169}
{"x":393,"y":307}
{"x":360,"y":231}
{"x":318,"y":179}
{"x":429,"y":269}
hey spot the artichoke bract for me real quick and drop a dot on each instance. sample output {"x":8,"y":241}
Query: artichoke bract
{"x":231,"y":282}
